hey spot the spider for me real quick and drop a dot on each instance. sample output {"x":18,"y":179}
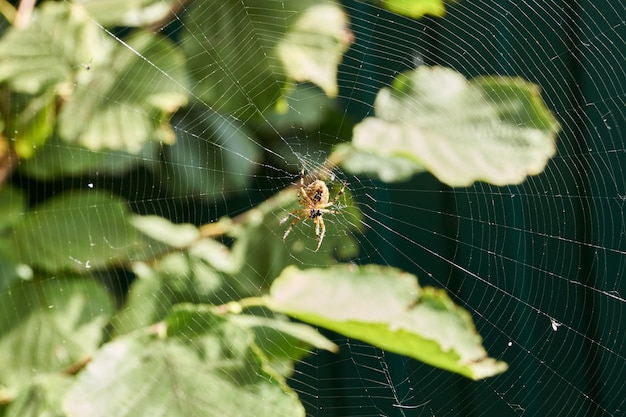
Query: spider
{"x":314,"y":200}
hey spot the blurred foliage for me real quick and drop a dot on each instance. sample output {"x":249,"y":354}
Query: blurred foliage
{"x":416,"y":8}
{"x":493,"y":129}
{"x":188,"y":104}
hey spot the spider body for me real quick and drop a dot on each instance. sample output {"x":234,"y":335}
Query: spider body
{"x":314,"y":201}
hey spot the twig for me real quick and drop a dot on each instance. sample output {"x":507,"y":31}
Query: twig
{"x":7,"y":10}
{"x":24,"y":10}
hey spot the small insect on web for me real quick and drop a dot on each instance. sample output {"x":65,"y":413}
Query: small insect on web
{"x":314,"y":201}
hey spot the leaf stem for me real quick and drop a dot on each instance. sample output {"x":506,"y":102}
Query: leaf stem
{"x":237,"y":307}
{"x":7,"y":10}
{"x":24,"y":10}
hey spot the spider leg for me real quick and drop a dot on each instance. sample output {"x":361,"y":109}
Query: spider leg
{"x":300,"y":212}
{"x":307,"y":201}
{"x":320,"y":236}
{"x":293,"y":223}
{"x":302,"y":191}
{"x":317,"y":221}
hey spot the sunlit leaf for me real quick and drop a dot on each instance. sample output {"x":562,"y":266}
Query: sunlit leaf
{"x":161,"y":229}
{"x":47,"y":326}
{"x":389,"y":168}
{"x":416,"y":8}
{"x":242,"y":54}
{"x":131,"y":13}
{"x":178,"y":278}
{"x":492,"y":129}
{"x":217,"y":255}
{"x":56,"y":159}
{"x":31,"y":121}
{"x":386,"y":308}
{"x":41,"y":398}
{"x":314,"y":45}
{"x":277,"y":337}
{"x":282,"y":341}
{"x":218,"y":374}
{"x":128,"y":101}
{"x":76,"y":231}
{"x":57,"y":42}
{"x":196,"y":320}
{"x":148,"y":299}
{"x":306,"y":107}
{"x":155,"y":290}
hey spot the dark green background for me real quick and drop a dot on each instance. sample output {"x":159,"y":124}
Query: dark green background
{"x":514,"y":256}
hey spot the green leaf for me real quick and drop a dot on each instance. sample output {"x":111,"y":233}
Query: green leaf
{"x":12,"y":207}
{"x":57,"y":159}
{"x":162,"y":230}
{"x":282,"y":341}
{"x":128,"y":101}
{"x":416,"y":8}
{"x":177,"y":278}
{"x":10,"y":271}
{"x":191,"y":320}
{"x":298,"y":331}
{"x":31,"y":121}
{"x":217,"y":375}
{"x":217,"y":255}
{"x":306,"y":107}
{"x":47,"y":326}
{"x":130,"y":13}
{"x":242,"y":54}
{"x":492,"y":129}
{"x":148,"y":300}
{"x":58,"y":40}
{"x":386,"y":308}
{"x":389,"y":168}
{"x":11,"y":211}
{"x":41,"y":398}
{"x":314,"y":44}
{"x":212,"y":154}
{"x":187,"y":320}
{"x":77,"y":231}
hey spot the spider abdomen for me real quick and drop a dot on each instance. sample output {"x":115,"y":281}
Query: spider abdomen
{"x":317,"y":191}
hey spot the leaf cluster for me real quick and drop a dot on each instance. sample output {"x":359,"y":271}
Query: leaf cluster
{"x":197,"y":96}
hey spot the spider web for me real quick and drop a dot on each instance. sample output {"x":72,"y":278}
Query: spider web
{"x":540,"y":266}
